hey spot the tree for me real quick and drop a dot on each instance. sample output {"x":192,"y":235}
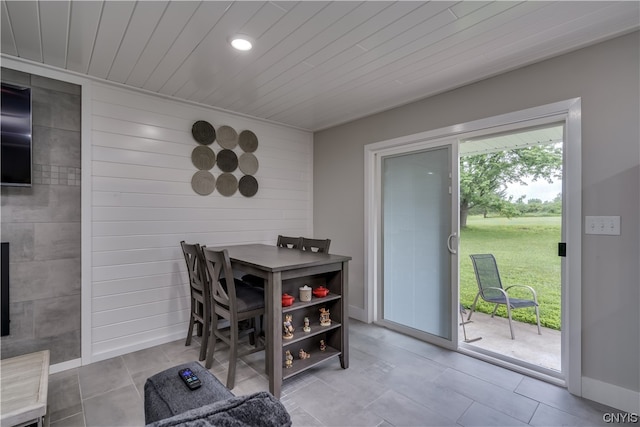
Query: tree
{"x":484,"y":177}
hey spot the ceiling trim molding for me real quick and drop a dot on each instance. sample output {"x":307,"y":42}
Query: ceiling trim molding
{"x":9,"y":61}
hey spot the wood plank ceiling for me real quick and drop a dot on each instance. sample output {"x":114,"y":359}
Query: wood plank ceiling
{"x":542,"y":135}
{"x":315,"y":64}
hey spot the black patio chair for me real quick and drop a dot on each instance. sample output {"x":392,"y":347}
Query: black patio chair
{"x":491,"y":290}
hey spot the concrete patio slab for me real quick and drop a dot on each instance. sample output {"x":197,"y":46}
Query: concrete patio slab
{"x":542,"y":350}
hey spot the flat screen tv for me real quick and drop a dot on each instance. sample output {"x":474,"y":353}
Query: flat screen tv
{"x":15,"y":154}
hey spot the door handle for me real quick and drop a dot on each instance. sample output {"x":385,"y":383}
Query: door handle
{"x":451,"y":236}
{"x":562,"y":249}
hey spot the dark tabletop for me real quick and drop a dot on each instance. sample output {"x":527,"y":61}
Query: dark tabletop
{"x":274,"y":258}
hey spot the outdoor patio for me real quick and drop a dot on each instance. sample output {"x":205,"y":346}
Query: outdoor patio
{"x":542,"y":350}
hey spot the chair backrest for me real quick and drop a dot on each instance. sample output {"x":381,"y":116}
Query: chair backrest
{"x":315,"y":245}
{"x":195,"y":266}
{"x":487,"y":275}
{"x":220,"y":274}
{"x":289,"y":242}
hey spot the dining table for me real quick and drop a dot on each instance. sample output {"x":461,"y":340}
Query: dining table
{"x":285,"y":268}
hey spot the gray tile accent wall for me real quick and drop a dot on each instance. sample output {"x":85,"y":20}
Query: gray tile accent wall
{"x":42,"y":225}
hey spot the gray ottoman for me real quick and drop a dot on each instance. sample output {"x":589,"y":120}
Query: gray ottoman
{"x":169,"y":402}
{"x":166,"y":395}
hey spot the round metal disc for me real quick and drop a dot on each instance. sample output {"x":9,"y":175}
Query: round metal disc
{"x":227,"y":184}
{"x":203,"y":132}
{"x":248,"y":164}
{"x":227,"y":160}
{"x":248,"y":186}
{"x":203,"y":157}
{"x":248,"y":141}
{"x":203,"y":183}
{"x":227,"y":137}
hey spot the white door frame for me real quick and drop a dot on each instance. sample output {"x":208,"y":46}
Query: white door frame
{"x":568,"y":111}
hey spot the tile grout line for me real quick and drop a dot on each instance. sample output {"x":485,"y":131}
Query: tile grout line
{"x":84,"y":416}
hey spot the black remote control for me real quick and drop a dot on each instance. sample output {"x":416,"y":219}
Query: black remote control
{"x":190,"y":379}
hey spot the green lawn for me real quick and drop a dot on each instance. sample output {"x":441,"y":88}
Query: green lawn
{"x":526,"y":251}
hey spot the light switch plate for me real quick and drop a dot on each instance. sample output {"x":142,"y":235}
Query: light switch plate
{"x":609,"y":225}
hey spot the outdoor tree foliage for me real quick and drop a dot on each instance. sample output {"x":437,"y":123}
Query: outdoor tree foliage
{"x":484,"y":177}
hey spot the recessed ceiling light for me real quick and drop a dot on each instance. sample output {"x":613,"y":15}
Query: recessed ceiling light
{"x":241,"y":42}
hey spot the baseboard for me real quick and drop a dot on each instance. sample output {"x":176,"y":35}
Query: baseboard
{"x":97,"y":357}
{"x":65,"y":366}
{"x":611,"y":395}
{"x":357,"y":313}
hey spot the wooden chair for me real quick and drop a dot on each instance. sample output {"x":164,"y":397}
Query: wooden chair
{"x":200,"y":299}
{"x":315,"y":245}
{"x":234,"y":301}
{"x":289,"y":242}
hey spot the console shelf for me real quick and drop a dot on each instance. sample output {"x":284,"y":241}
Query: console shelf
{"x":334,"y":336}
{"x":316,"y":358}
{"x":316,"y":329}
{"x":314,"y":301}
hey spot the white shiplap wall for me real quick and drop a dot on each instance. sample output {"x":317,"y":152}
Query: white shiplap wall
{"x":143,"y":206}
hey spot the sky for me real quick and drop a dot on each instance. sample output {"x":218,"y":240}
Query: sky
{"x":540,"y":189}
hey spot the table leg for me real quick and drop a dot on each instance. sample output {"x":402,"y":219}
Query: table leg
{"x":274,"y":333}
{"x":344,"y":357}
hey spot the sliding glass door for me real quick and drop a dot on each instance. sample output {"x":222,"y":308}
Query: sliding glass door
{"x":419,"y":238}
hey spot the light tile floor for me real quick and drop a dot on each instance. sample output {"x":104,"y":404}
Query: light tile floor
{"x":393,"y":380}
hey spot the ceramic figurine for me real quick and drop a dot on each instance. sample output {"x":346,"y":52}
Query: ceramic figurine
{"x":303,"y":354}
{"x":288,"y":359}
{"x":323,"y":346}
{"x":324,"y":317}
{"x":306,"y":328}
{"x":288,"y":327}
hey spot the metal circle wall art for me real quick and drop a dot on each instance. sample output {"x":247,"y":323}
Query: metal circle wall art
{"x":203,"y":183}
{"x":248,"y":164}
{"x":236,"y":155}
{"x":248,"y":141}
{"x":248,"y":186}
{"x":227,"y":160}
{"x":203,"y":132}
{"x":227,"y":184}
{"x":203,"y":157}
{"x":227,"y":137}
